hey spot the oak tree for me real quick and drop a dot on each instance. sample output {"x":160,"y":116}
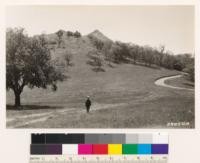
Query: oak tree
{"x":28,"y":63}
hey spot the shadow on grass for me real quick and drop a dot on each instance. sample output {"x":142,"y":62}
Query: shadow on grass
{"x":98,"y":69}
{"x":110,"y":65}
{"x":32,"y":107}
{"x":189,"y":84}
{"x":148,"y":66}
{"x":91,"y":63}
{"x":94,"y":67}
{"x":127,"y":61}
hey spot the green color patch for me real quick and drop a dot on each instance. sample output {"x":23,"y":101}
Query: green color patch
{"x":129,"y":149}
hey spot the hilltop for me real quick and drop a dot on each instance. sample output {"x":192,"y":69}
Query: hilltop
{"x":99,"y":35}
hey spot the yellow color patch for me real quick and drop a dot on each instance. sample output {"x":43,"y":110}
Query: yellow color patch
{"x":114,"y":149}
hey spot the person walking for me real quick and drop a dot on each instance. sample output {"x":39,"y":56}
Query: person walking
{"x":88,"y":104}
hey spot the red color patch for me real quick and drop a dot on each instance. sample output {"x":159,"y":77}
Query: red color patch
{"x":100,"y":149}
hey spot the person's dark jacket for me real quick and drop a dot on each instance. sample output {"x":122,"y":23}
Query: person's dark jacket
{"x":88,"y":103}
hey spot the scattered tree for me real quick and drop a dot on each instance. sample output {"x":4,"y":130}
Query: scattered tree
{"x":73,"y":34}
{"x":121,"y":52}
{"x":168,"y":60}
{"x":107,"y":50}
{"x":134,"y":52}
{"x":149,"y":55}
{"x":77,"y":34}
{"x":59,"y":35}
{"x":96,"y":60}
{"x":190,"y":69}
{"x":68,"y":59}
{"x":97,"y":43}
{"x":69,"y":33}
{"x":160,"y":53}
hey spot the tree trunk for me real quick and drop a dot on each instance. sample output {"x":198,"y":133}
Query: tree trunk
{"x":17,"y":100}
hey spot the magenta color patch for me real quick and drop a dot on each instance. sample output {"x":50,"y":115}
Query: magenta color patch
{"x":84,"y":149}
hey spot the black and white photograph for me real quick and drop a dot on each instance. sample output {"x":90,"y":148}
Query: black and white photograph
{"x":79,"y":66}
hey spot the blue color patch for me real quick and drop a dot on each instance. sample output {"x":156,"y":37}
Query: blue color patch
{"x":144,"y":148}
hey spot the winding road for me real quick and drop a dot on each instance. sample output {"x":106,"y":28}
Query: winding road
{"x":161,"y":82}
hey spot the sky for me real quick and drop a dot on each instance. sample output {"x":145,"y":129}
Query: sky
{"x":172,"y":26}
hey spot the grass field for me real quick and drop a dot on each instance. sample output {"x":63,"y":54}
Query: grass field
{"x":122,"y":97}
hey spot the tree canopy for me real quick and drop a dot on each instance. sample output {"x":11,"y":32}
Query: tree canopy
{"x":28,"y":63}
{"x":60,"y":35}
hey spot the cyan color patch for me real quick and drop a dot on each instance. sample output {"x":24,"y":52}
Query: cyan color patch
{"x":144,"y":148}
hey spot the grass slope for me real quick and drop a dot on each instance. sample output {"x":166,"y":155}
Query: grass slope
{"x":124,"y":96}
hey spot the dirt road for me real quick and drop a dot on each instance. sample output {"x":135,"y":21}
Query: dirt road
{"x":161,"y":82}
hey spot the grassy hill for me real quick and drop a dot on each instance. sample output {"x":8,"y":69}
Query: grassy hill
{"x":123,"y":96}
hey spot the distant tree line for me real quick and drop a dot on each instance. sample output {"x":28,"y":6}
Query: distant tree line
{"x":60,"y":33}
{"x":119,"y":52}
{"x":149,"y":56}
{"x":190,"y":69}
{"x":75,"y":34}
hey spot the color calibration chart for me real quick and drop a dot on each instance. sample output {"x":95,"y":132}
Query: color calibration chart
{"x":101,"y":148}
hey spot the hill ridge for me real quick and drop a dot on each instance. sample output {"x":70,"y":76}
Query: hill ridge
{"x":99,"y":35}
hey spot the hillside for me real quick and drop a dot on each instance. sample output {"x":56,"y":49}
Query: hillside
{"x":123,"y":96}
{"x":78,"y":47}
